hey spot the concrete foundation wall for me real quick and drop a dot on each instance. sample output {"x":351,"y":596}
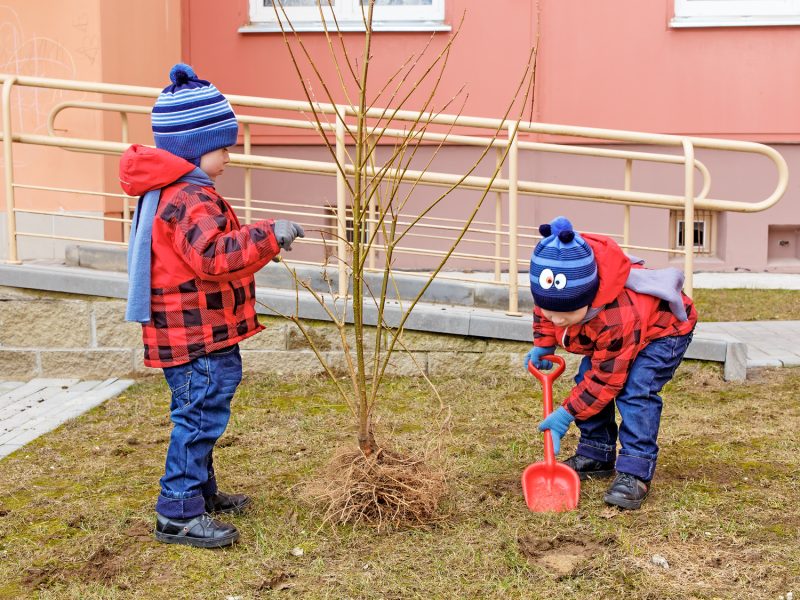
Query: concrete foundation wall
{"x":45,"y":334}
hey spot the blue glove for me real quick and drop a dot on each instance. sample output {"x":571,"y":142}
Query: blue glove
{"x":557,"y":422}
{"x":285,"y":232}
{"x":535,"y":356}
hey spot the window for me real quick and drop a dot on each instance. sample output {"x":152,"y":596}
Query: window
{"x":396,"y":15}
{"x":735,"y":13}
{"x":703,"y":233}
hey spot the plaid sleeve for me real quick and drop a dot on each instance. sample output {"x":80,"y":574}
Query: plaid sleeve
{"x":211,"y":243}
{"x":544,"y":333}
{"x":615,"y":350}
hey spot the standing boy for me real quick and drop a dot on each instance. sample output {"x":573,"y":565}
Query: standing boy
{"x":633,"y":326}
{"x":191,"y":286}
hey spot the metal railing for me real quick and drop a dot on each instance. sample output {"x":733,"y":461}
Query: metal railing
{"x":502,"y":238}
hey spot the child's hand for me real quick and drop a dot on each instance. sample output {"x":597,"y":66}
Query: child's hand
{"x":557,"y":422}
{"x":535,"y":356}
{"x":286,"y":232}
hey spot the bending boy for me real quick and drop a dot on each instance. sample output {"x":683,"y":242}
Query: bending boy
{"x":632,"y":326}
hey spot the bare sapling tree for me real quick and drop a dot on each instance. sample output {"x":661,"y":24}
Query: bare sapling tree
{"x":372,"y":483}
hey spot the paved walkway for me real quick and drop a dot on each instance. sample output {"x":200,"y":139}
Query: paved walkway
{"x":769,"y":343}
{"x":28,"y":410}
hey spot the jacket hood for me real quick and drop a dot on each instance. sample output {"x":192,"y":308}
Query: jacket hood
{"x":142,"y":168}
{"x":613,"y":267}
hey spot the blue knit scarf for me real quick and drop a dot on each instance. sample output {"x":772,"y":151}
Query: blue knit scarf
{"x":139,"y":248}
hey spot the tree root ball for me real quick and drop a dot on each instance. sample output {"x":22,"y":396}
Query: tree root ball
{"x":384,"y":489}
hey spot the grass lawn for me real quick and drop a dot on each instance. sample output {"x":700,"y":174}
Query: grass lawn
{"x":747,"y":305}
{"x":76,"y":505}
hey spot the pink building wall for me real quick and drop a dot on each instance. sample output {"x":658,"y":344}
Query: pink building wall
{"x":89,"y":40}
{"x":619,"y":65}
{"x":615,"y":64}
{"x":612,"y":64}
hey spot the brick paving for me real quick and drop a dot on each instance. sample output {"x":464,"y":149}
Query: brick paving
{"x":30,"y":409}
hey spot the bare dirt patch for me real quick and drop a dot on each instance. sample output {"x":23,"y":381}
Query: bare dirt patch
{"x":140,"y":531}
{"x":40,"y":577}
{"x":104,"y":565}
{"x":560,"y":556}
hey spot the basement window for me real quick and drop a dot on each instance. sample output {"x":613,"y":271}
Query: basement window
{"x":735,"y":13}
{"x":308,"y":15}
{"x":703,"y":233}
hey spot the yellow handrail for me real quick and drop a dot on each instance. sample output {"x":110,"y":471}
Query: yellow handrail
{"x":503,"y":238}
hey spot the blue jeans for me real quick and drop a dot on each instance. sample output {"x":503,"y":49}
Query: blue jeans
{"x":201,"y":406}
{"x":639,"y":407}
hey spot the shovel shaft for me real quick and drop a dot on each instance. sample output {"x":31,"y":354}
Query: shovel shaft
{"x":547,"y":379}
{"x":549,"y":451}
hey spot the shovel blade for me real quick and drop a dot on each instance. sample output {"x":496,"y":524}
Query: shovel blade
{"x":550,"y":488}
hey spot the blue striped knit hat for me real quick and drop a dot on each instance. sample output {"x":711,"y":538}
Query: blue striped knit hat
{"x":191,"y":118}
{"x":563,"y":269}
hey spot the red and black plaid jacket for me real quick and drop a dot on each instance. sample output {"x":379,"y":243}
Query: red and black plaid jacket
{"x":203,"y":290}
{"x":626,"y":323}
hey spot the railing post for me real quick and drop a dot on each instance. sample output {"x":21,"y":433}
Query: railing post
{"x":626,"y":226}
{"x":8,"y":160}
{"x":513,"y":249}
{"x":126,"y":203}
{"x":248,"y":178}
{"x":124,"y":118}
{"x":498,"y":218}
{"x":372,"y":214}
{"x":688,"y":216}
{"x":341,"y":206}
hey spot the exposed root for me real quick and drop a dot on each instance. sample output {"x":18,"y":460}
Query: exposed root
{"x":384,"y":489}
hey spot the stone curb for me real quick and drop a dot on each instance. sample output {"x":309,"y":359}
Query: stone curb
{"x":433,"y":318}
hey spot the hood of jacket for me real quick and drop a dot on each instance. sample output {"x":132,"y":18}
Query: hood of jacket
{"x":142,"y":168}
{"x":613,"y":267}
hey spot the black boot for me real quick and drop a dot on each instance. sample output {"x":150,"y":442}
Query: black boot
{"x":627,"y":491}
{"x":589,"y":468}
{"x":201,"y":531}
{"x":227,"y":503}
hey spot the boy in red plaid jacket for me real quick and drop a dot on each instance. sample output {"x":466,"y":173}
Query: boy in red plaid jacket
{"x":633,"y":326}
{"x":191,"y":286}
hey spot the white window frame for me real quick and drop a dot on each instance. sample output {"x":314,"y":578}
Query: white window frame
{"x":348,"y":15}
{"x":735,"y":13}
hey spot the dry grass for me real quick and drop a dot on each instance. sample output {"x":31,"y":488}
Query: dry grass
{"x":76,"y":505}
{"x":747,"y":305}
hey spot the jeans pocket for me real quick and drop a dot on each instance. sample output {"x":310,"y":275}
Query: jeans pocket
{"x":681,"y":344}
{"x":179,"y":380}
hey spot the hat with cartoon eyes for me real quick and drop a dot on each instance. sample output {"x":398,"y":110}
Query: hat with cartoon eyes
{"x":563,"y":270}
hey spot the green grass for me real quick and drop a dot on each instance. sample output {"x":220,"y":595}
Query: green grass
{"x":747,"y":305}
{"x":76,"y":504}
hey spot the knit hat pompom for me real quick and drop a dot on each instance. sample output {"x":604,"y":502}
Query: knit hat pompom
{"x":191,"y":118}
{"x":180,"y":74}
{"x":560,"y":227}
{"x":563,"y":271}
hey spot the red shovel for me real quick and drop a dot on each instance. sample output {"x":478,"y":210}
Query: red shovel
{"x":550,"y":486}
